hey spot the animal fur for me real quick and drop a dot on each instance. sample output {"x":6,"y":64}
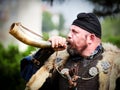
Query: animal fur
{"x":107,"y":80}
{"x":38,"y":79}
{"x":112,"y":55}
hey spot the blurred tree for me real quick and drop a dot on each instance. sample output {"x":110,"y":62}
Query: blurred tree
{"x":51,"y":1}
{"x":10,"y":57}
{"x":61,"y":22}
{"x":111,"y":26}
{"x":111,"y":30}
{"x":102,"y":7}
{"x":106,"y":7}
{"x":47,"y":23}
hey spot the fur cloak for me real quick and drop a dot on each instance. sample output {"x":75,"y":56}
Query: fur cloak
{"x":107,"y":80}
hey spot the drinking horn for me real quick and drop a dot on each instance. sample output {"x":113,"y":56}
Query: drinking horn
{"x":18,"y":34}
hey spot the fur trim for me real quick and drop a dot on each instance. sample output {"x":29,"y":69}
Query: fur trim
{"x":112,"y":55}
{"x":38,"y":79}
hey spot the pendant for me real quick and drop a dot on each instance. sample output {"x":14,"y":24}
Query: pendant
{"x":93,"y":71}
{"x":65,"y":70}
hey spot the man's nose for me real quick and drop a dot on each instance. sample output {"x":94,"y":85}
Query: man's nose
{"x":69,"y":35}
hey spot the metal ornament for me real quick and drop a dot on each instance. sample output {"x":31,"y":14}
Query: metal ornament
{"x":93,"y":71}
{"x":65,"y":73}
{"x":65,"y":70}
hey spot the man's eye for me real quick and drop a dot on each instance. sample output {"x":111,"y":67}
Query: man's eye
{"x":74,"y":31}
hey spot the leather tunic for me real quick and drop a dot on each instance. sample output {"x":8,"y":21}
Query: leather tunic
{"x":83,"y":67}
{"x":80,"y":66}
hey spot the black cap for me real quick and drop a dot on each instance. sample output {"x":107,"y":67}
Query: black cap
{"x":88,"y":22}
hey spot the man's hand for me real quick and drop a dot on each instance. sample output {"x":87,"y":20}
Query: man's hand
{"x":58,"y":43}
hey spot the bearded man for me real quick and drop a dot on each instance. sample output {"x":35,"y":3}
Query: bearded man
{"x":82,"y":61}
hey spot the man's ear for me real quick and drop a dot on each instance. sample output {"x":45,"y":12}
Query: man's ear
{"x":90,"y":38}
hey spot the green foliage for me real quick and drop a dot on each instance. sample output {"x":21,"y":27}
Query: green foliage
{"x":28,"y":51}
{"x":47,"y":23}
{"x":61,"y":24}
{"x":113,"y":39}
{"x":10,"y":57}
{"x":111,"y":30}
{"x":45,"y":36}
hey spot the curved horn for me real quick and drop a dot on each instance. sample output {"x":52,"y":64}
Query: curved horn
{"x":14,"y":30}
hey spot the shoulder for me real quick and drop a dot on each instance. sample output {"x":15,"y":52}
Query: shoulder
{"x":111,"y":52}
{"x":112,"y":55}
{"x":110,"y":47}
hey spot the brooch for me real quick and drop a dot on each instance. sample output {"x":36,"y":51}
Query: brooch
{"x":93,"y":71}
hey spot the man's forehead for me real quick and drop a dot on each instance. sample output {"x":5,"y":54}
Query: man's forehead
{"x":74,"y":27}
{"x":78,"y":28}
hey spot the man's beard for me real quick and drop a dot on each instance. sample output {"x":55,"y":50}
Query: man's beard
{"x":73,"y":51}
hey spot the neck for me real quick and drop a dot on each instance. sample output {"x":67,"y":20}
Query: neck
{"x":89,"y":50}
